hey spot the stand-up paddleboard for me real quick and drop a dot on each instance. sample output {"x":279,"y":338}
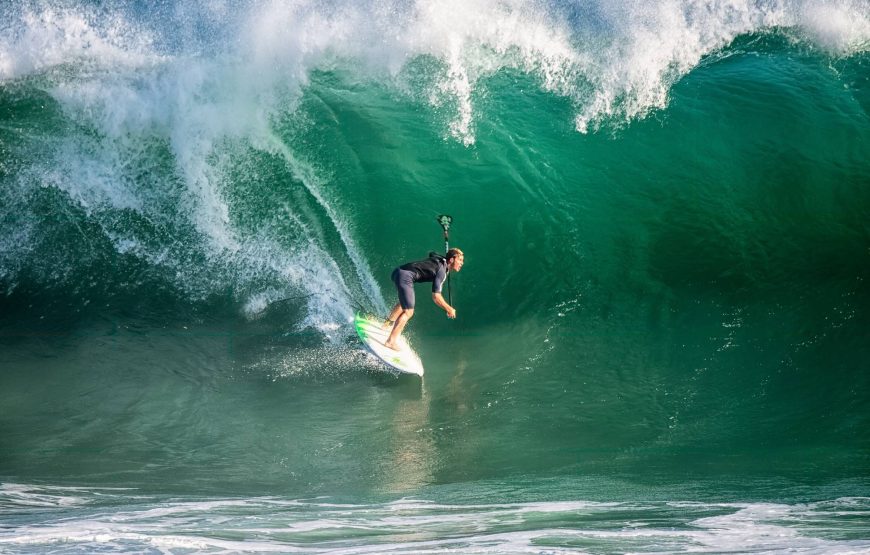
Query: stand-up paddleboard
{"x":370,"y":332}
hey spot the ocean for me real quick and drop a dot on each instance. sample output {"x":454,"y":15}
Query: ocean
{"x":663,"y":321}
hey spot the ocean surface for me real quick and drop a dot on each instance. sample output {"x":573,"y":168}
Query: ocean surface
{"x":662,"y":341}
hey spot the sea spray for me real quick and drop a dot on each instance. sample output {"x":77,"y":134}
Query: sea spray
{"x":661,"y":339}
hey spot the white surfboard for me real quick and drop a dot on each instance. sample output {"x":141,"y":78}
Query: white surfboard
{"x":370,"y":332}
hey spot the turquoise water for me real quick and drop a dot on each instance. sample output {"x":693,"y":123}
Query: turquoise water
{"x":662,"y":332}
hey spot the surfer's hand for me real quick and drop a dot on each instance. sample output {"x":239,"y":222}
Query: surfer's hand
{"x":451,"y":312}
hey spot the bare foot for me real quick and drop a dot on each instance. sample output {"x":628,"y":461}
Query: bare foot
{"x":390,"y":345}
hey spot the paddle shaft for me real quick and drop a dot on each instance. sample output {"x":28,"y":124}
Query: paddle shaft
{"x":449,"y":291}
{"x":444,"y":221}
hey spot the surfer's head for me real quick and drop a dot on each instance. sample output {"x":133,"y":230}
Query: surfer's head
{"x":455,"y":259}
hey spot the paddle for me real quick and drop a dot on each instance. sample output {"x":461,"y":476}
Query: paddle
{"x":445,"y":222}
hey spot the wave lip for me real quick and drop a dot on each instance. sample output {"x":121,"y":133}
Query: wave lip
{"x":616,"y":62}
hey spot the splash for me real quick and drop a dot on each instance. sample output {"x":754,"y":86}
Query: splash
{"x":154,"y":128}
{"x":616,"y":62}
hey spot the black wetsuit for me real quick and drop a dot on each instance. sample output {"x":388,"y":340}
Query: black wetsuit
{"x":432,"y":269}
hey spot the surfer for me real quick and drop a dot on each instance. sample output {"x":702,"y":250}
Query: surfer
{"x":434,"y":269}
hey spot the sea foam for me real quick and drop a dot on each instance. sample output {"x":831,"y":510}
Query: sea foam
{"x":134,"y":92}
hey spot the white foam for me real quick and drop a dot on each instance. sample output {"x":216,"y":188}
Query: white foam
{"x":842,"y":27}
{"x":39,"y":496}
{"x":424,"y":526}
{"x":614,"y":60}
{"x":258,"y":302}
{"x":128,"y":96}
{"x":35,"y":40}
{"x":120,"y":83}
{"x":14,"y":247}
{"x":312,"y":182}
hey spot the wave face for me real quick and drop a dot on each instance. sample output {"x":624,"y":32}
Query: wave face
{"x":663,"y":207}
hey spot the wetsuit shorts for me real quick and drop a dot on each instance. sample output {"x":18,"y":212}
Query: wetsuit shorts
{"x":404,"y":281}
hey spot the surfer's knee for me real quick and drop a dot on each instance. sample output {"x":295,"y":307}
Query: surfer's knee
{"x":408,"y":313}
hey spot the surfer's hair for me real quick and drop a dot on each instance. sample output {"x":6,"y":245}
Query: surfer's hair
{"x":453,"y":253}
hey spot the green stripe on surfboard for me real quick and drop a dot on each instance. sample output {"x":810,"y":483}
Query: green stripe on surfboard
{"x":370,"y":332}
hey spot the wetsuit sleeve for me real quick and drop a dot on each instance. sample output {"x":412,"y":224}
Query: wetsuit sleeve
{"x":440,"y":276}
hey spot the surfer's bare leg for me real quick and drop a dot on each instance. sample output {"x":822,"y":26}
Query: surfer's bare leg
{"x":398,"y":327}
{"x":392,"y":317}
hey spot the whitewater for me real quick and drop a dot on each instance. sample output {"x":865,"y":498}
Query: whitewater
{"x":661,"y":339}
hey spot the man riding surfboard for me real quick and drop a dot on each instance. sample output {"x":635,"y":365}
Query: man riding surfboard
{"x":434,"y":269}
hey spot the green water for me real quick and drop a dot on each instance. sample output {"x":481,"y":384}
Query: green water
{"x":662,"y":319}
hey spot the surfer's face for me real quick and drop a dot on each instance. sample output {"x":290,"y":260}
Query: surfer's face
{"x":456,"y":262}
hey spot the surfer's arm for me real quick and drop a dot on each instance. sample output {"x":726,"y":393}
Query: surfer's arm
{"x":438,"y":299}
